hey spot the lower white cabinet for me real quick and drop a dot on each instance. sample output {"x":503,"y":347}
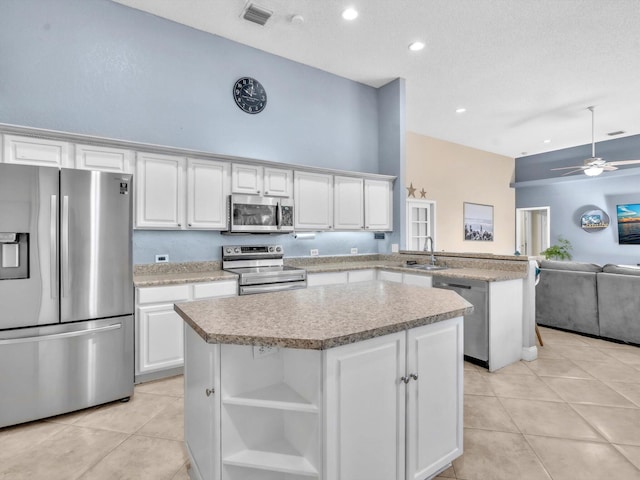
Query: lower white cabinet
{"x":337,"y":278}
{"x":422,"y":369}
{"x":406,"y":278}
{"x":159,"y":329}
{"x":387,"y":408}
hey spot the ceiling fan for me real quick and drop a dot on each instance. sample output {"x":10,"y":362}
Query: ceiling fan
{"x":594,"y":166}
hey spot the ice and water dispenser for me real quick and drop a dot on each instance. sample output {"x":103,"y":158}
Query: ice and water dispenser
{"x":14,"y":256}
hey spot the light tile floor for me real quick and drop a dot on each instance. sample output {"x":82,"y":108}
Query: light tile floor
{"x":573,"y":414}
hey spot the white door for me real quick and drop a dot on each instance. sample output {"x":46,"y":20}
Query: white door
{"x":278,"y":182}
{"x":434,"y":399}
{"x":160,"y":331}
{"x":348,"y":203}
{"x":313,"y":201}
{"x":532,"y":230}
{"x":159,"y":191}
{"x":378,"y":205}
{"x":420,"y":223}
{"x":207,"y":190}
{"x":246,"y":179}
{"x":365,"y":409}
{"x":202,"y":405}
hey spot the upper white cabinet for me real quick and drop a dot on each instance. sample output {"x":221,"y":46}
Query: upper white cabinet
{"x":348,"y":203}
{"x":207,"y":191}
{"x":246,"y":179}
{"x":159,"y":191}
{"x":90,"y":157}
{"x":278,"y":182}
{"x":257,"y":180}
{"x":378,"y":201}
{"x":313,"y":195}
{"x":36,"y":151}
{"x":167,"y":198}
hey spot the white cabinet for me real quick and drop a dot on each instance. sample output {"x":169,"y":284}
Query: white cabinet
{"x":36,"y":151}
{"x":362,"y":434}
{"x":435,"y":398}
{"x":378,"y":201}
{"x":406,"y":278}
{"x":327,"y":278}
{"x":159,"y":329}
{"x":313,"y":195}
{"x":348,"y":203}
{"x":90,"y":157}
{"x":365,"y":409}
{"x":177,"y":193}
{"x":159,"y":191}
{"x":257,"y":180}
{"x":207,"y":191}
{"x":278,"y":182}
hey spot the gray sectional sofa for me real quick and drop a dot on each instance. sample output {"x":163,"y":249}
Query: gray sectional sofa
{"x":590,"y":299}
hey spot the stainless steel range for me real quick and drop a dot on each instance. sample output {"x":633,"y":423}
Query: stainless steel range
{"x":261,"y":269}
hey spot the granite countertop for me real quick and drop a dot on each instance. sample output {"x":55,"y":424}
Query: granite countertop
{"x":494,"y":269}
{"x":321,"y":317}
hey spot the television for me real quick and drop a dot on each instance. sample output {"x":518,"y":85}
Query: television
{"x":628,"y":224}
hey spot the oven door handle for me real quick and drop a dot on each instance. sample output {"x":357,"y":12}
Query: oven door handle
{"x":271,"y":287}
{"x":292,"y":277}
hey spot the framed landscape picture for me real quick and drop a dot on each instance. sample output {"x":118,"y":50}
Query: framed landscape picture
{"x":629,"y":224}
{"x":478,"y":222}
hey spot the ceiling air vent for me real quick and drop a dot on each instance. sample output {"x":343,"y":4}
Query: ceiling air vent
{"x":256,"y":14}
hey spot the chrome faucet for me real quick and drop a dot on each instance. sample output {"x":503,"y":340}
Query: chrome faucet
{"x":426,"y":242}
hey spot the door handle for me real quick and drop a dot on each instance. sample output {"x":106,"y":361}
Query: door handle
{"x":53,"y":239}
{"x":53,"y":336}
{"x":64,"y":240}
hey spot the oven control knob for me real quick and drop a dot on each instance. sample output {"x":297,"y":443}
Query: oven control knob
{"x":271,"y":249}
{"x":229,"y":250}
{"x":236,"y":250}
{"x":278,"y":249}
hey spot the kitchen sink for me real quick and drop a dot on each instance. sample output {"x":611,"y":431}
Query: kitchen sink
{"x":426,"y":267}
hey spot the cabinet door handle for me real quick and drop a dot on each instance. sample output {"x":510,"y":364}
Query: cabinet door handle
{"x":179,"y":224}
{"x":210,"y":391}
{"x":414,"y":376}
{"x":189,"y":224}
{"x":405,"y":379}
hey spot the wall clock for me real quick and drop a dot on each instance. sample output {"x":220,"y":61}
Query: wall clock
{"x":249,"y":95}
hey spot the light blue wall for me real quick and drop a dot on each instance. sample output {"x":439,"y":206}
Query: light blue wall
{"x":96,"y":67}
{"x":570,"y":197}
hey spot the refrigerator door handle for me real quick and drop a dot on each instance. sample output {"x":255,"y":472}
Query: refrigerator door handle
{"x":53,"y":336}
{"x":53,"y":232}
{"x":65,"y":246}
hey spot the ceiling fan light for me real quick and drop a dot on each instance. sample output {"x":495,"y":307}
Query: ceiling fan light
{"x":593,"y":171}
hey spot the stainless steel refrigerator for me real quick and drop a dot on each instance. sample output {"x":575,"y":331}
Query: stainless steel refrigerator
{"x":66,"y":290}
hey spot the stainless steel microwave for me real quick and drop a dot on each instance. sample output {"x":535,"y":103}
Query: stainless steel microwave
{"x":254,"y":214}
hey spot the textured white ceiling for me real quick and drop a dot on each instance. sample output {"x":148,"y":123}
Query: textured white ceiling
{"x":525,"y":70}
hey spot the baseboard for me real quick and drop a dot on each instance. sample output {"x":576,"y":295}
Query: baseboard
{"x":529,"y":354}
{"x":149,"y":377}
{"x":194,"y":473}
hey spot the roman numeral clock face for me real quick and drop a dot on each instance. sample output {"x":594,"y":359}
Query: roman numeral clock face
{"x":249,"y":95}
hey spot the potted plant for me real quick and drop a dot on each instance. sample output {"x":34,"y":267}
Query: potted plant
{"x":559,"y":251}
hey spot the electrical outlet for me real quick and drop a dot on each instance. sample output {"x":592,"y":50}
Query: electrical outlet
{"x":263,"y":351}
{"x":162,"y":258}
{"x":394,"y":248}
{"x":314,"y":252}
{"x":354,"y":251}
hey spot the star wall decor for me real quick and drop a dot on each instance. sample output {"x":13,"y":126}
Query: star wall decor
{"x":423,"y":193}
{"x":412,"y":190}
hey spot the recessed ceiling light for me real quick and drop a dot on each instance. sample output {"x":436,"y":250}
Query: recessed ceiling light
{"x":461,"y":110}
{"x":350,"y":14}
{"x":548,"y":140}
{"x":416,"y":46}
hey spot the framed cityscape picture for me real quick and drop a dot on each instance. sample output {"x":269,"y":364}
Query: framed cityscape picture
{"x":478,"y":222}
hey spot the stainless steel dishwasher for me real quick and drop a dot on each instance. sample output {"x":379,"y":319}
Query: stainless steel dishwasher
{"x":476,"y":324}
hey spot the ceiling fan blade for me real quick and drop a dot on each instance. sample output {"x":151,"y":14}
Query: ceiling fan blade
{"x":624,"y":162}
{"x":568,"y":168}
{"x":572,"y":171}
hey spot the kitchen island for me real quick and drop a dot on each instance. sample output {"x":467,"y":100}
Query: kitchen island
{"x":360,"y":381}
